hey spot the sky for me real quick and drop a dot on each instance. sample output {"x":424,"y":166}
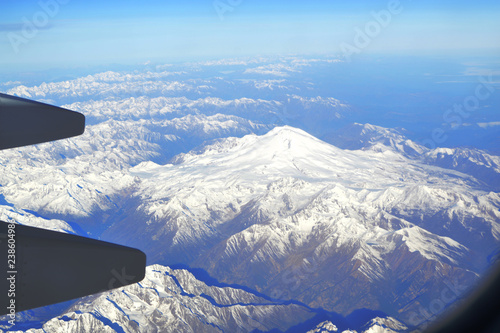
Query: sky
{"x":40,"y":34}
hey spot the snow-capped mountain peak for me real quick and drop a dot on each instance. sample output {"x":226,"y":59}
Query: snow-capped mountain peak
{"x":261,"y":207}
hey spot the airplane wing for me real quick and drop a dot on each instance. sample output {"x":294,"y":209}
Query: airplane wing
{"x":24,"y":122}
{"x":41,"y":267}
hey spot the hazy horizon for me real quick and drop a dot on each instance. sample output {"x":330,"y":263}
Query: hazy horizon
{"x":41,"y":35}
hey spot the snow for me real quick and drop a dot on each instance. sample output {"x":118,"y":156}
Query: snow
{"x":306,"y":193}
{"x":163,"y":302}
{"x":247,"y":200}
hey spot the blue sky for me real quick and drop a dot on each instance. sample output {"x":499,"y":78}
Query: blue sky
{"x":86,"y":33}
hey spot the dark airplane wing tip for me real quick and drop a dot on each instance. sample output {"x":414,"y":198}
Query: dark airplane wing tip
{"x":49,"y":267}
{"x":42,"y":267}
{"x":24,"y":122}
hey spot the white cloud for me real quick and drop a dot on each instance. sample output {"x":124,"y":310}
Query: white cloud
{"x":490,"y":124}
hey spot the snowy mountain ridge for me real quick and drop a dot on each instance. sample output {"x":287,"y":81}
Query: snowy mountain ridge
{"x":193,"y":169}
{"x":284,"y":201}
{"x":173,"y":300}
{"x":284,"y":197}
{"x":377,"y":138}
{"x":475,"y":162}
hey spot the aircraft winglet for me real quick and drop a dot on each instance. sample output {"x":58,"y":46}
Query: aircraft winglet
{"x":24,"y":122}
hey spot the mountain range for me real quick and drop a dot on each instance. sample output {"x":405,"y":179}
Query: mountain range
{"x":300,"y":219}
{"x":173,"y":300}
